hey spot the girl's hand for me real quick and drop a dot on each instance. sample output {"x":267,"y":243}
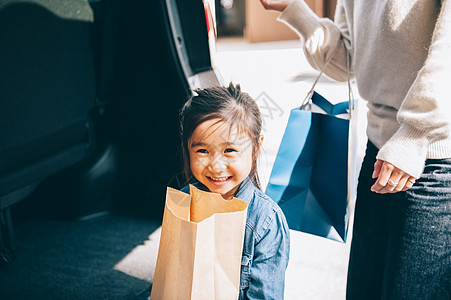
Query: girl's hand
{"x":390,"y":179}
{"x":278,"y":5}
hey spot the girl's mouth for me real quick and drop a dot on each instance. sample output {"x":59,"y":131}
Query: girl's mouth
{"x":219,"y":180}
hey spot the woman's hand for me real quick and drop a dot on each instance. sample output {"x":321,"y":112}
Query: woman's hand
{"x":278,"y":5}
{"x":390,"y":179}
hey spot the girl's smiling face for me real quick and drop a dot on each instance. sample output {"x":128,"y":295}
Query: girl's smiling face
{"x":220,"y":156}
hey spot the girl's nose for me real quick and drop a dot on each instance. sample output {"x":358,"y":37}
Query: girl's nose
{"x":218,"y":164}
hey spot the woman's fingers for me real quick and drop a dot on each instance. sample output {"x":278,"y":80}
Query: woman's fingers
{"x":390,"y":179}
{"x":383,"y":172}
{"x":404,"y":184}
{"x":278,"y":5}
{"x":410,"y":182}
{"x":377,"y":168}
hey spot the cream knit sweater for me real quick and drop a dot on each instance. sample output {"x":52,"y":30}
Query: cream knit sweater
{"x":401,"y":59}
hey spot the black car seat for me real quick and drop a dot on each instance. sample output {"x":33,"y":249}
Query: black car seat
{"x":47,"y":92}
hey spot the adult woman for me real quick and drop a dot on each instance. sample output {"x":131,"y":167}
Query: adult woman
{"x":400,"y":59}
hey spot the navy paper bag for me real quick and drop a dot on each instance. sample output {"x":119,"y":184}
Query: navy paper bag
{"x":309,"y":179}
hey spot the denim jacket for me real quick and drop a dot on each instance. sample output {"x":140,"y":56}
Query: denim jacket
{"x":266,"y":245}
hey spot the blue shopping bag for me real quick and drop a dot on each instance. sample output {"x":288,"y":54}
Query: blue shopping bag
{"x":309,"y":179}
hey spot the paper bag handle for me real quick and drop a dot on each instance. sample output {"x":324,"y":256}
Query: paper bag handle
{"x":307,"y":102}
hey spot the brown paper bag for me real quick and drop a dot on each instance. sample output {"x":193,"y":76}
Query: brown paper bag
{"x":200,"y":247}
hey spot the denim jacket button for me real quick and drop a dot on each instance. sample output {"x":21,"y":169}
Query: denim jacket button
{"x":245,"y":260}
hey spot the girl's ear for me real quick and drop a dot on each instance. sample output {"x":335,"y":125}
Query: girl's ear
{"x":260,"y":142}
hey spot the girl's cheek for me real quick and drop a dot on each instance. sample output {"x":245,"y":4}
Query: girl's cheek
{"x":232,"y":160}
{"x":199,"y":162}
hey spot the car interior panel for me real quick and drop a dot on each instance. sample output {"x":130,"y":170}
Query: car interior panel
{"x":90,"y":93}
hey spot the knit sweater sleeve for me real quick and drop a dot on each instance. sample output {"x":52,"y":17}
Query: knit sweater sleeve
{"x":425,"y":113}
{"x":320,"y":37}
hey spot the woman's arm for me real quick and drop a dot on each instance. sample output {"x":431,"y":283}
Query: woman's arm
{"x":320,"y":37}
{"x":425,"y":114}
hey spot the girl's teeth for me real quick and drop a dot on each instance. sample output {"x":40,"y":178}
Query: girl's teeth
{"x":220,"y":179}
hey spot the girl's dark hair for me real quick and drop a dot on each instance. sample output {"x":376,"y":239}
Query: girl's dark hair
{"x":227,"y":104}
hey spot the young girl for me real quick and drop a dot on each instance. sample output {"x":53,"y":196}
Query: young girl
{"x":221,"y":140}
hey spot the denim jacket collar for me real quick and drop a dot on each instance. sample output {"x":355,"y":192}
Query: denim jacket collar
{"x":246,"y":190}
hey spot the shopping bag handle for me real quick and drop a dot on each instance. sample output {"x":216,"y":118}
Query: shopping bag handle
{"x":307,"y":102}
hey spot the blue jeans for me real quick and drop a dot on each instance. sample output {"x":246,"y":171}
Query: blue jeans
{"x":401,"y":246}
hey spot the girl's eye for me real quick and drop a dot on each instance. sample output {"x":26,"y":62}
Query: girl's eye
{"x":201,"y":151}
{"x":229,"y":150}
